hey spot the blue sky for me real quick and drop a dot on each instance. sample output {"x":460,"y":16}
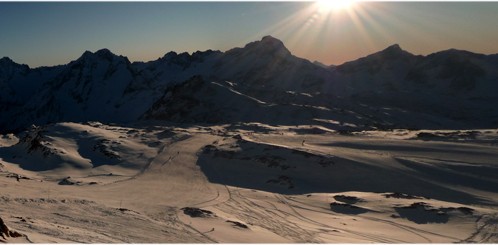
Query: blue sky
{"x":37,"y":33}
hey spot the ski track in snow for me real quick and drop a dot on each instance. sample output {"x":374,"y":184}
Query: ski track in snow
{"x":150,"y":201}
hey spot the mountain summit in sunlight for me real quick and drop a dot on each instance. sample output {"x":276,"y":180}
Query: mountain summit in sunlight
{"x":388,"y":89}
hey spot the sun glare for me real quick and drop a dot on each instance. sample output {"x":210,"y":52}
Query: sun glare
{"x":334,"y":5}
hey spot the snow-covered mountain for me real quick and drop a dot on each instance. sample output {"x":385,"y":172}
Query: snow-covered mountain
{"x":86,"y":88}
{"x":250,"y":145}
{"x":199,"y":100}
{"x":260,"y":81}
{"x":451,"y":84}
{"x":388,"y":89}
{"x":8,"y":71}
{"x":18,"y":84}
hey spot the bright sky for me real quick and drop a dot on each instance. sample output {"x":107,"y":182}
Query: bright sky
{"x":52,"y":33}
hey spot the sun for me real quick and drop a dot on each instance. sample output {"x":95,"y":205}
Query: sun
{"x":333,"y":5}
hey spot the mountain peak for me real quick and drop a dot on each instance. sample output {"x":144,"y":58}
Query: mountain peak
{"x":457,"y":52}
{"x":6,"y":60}
{"x":393,"y":51}
{"x":104,"y":53}
{"x":267,"y":45}
{"x":394,"y":47}
{"x":99,"y":52}
{"x":373,"y":62}
{"x":169,"y":55}
{"x":270,"y":39}
{"x":273,"y":42}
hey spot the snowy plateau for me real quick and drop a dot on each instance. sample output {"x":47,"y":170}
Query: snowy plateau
{"x":250,"y":145}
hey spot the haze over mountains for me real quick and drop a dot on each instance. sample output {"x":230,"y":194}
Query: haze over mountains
{"x":261,"y":82}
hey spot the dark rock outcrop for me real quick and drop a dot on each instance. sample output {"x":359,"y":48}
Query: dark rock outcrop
{"x":5,"y":232}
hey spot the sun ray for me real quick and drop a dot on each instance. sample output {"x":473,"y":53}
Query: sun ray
{"x":365,"y":38}
{"x":325,"y":6}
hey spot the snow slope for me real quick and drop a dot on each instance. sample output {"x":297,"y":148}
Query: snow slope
{"x":223,"y":184}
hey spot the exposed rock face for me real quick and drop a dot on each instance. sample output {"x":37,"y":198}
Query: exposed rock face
{"x":197,"y":212}
{"x":5,"y":232}
{"x":68,"y":181}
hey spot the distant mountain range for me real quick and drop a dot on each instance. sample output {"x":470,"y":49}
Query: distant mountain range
{"x":261,"y":82}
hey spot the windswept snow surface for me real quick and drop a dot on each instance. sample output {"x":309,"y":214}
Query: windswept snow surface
{"x":92,"y":182}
